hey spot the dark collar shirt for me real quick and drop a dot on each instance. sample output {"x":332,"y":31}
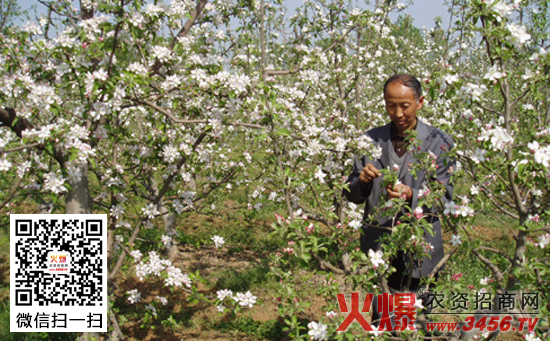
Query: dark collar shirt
{"x":400,"y":145}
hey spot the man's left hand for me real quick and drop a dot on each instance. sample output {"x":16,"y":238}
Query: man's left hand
{"x":400,"y":190}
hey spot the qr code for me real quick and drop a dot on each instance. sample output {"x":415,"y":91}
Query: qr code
{"x":58,"y":272}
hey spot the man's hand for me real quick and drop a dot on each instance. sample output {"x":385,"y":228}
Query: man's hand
{"x":369,"y":173}
{"x":400,"y":190}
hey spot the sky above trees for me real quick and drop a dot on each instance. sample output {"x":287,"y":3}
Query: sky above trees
{"x":423,"y":11}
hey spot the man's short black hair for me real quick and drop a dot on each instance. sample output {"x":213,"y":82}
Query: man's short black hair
{"x":407,"y":80}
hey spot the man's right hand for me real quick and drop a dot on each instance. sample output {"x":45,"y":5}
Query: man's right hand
{"x":369,"y":173}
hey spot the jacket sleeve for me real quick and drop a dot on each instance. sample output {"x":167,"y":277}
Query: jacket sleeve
{"x":445,"y":166}
{"x":358,"y":191}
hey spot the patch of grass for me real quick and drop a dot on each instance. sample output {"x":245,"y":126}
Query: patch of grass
{"x":494,"y":220}
{"x":242,"y":280}
{"x":268,"y":330}
{"x":469,"y":266}
{"x":239,"y":233}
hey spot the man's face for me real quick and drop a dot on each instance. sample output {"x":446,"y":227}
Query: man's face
{"x":402,"y":106}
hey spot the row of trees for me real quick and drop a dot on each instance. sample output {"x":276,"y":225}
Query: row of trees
{"x":144,"y":110}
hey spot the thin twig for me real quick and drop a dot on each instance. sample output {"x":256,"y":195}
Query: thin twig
{"x":502,"y":253}
{"x":172,"y":118}
{"x":486,"y":108}
{"x":23,"y":147}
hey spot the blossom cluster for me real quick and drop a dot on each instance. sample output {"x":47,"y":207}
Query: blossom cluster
{"x":156,"y":266}
{"x":453,"y":209}
{"x":540,"y":153}
{"x":317,"y":330}
{"x":242,"y":299}
{"x":498,"y":137}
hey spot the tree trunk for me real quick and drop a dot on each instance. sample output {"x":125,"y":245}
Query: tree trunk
{"x":169,"y":220}
{"x":78,"y":200}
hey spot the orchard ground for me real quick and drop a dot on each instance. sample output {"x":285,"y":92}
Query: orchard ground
{"x":240,"y":265}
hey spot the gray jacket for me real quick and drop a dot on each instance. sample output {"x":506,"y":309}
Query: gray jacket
{"x":434,"y":140}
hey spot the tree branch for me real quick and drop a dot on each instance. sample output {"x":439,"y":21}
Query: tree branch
{"x":328,"y":265}
{"x":23,"y":147}
{"x":490,"y":265}
{"x":117,"y":29}
{"x":8,"y":117}
{"x":172,"y":118}
{"x":187,"y":27}
{"x":486,"y":108}
{"x":120,"y":262}
{"x":502,"y":253}
{"x":265,"y":74}
{"x":12,"y":192}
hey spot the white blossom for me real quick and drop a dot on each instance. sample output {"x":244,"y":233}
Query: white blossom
{"x":451,"y":208}
{"x":134,"y":296}
{"x":331,"y":314}
{"x":170,"y":153}
{"x":376,"y":258}
{"x":532,"y":337}
{"x":246,"y":299}
{"x":54,"y":182}
{"x":155,"y":10}
{"x":471,"y":92}
{"x":479,"y":155}
{"x":500,"y":8}
{"x":22,"y":168}
{"x":74,"y":173}
{"x":544,"y":240}
{"x":319,"y":175}
{"x":136,"y":254}
{"x":541,"y":154}
{"x":166,"y":240}
{"x":499,"y":138}
{"x":5,"y":165}
{"x":162,"y":53}
{"x":317,"y":331}
{"x":152,"y":309}
{"x":138,"y":69}
{"x":484,"y":281}
{"x":493,"y":74}
{"x":176,"y":277}
{"x":222,"y":294}
{"x":455,"y":240}
{"x":518,"y":35}
{"x":428,"y":247}
{"x":178,"y":206}
{"x":355,"y":224}
{"x":218,"y":241}
{"x":162,"y":300}
{"x":150,"y":211}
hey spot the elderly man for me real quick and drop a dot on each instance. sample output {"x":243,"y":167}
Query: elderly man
{"x":403,"y":98}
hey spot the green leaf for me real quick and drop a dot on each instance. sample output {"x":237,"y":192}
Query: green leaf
{"x":287,"y":171}
{"x":261,"y":137}
{"x":282,"y":132}
{"x":49,"y":148}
